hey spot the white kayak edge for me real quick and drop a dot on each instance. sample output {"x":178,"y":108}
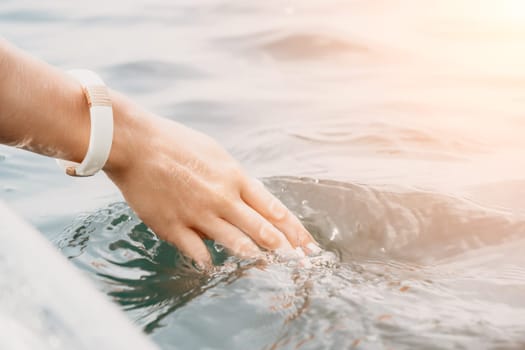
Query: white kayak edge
{"x":47,"y":303}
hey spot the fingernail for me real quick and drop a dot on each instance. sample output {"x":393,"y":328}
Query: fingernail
{"x":247,"y":249}
{"x":269,"y":238}
{"x":314,"y":249}
{"x":273,"y":238}
{"x":201,"y":266}
{"x":287,"y":253}
{"x":277,"y":209}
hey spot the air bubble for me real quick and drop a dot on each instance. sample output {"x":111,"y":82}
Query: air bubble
{"x":218,"y":247}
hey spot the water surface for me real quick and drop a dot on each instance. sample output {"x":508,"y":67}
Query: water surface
{"x":393,"y":129}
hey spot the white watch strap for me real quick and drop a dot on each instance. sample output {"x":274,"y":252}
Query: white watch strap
{"x":101,"y":114}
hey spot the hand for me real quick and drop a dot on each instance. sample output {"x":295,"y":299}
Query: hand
{"x":179,"y":182}
{"x":185,"y":187}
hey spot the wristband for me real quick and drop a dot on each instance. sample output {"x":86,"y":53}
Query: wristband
{"x":101,"y":115}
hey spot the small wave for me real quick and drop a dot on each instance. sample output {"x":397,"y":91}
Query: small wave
{"x":384,"y":138}
{"x":417,"y":226}
{"x":310,"y":46}
{"x":301,"y":45}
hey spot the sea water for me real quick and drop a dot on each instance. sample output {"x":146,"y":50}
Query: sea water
{"x":394,"y":130}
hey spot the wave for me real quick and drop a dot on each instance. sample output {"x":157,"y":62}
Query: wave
{"x":387,"y":138}
{"x":296,"y":45}
{"x":406,"y":224}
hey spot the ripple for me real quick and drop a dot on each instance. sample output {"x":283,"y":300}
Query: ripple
{"x":402,"y":268}
{"x":299,"y":45}
{"x":417,"y":226}
{"x":386,"y":138}
{"x":310,"y":46}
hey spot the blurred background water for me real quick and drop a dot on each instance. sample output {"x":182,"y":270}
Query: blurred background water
{"x":394,"y":129}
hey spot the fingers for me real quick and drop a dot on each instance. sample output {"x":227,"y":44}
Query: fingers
{"x":191,"y":245}
{"x":260,"y":199}
{"x":258,"y":228}
{"x":232,"y":238}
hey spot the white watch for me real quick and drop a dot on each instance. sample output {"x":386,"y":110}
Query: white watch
{"x":101,"y":136}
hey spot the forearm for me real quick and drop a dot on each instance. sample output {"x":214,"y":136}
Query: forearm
{"x":41,"y":108}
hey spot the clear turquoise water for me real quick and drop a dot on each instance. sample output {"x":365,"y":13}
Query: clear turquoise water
{"x":393,"y":129}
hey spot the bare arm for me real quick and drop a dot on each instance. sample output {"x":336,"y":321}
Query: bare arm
{"x":180,"y":182}
{"x":38,"y":104}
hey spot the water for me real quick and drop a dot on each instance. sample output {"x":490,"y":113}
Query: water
{"x":393,"y":129}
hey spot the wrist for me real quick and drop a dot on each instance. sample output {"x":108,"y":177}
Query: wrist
{"x":129,"y":124}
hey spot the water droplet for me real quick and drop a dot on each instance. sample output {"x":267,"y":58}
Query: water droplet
{"x":218,"y":247}
{"x":304,"y":202}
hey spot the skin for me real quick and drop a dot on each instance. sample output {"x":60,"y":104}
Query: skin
{"x":180,"y":182}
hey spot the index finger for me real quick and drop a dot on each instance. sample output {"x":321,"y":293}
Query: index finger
{"x":260,"y":199}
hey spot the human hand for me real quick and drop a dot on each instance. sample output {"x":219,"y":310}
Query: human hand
{"x":181,"y":183}
{"x":185,"y":187}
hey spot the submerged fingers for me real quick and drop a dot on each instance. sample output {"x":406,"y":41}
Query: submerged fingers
{"x":252,"y":224}
{"x":260,"y":230}
{"x":261,"y":200}
{"x":255,"y":219}
{"x":232,"y":238}
{"x":191,"y":245}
